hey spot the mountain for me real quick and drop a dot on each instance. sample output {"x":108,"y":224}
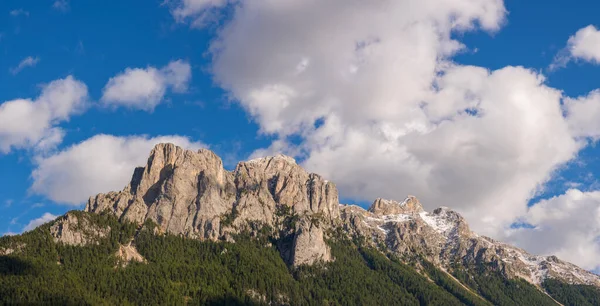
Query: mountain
{"x":187,"y":231}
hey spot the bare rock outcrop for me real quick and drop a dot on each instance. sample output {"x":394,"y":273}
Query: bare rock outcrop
{"x":190,"y":193}
{"x":309,"y":246}
{"x":390,"y":207}
{"x":13,"y":249}
{"x":73,"y":230}
{"x":128,"y":253}
{"x":444,"y":238}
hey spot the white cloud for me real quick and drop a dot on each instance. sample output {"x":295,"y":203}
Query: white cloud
{"x":47,"y":217}
{"x":584,"y":45}
{"x":399,"y":117}
{"x":385,"y":53}
{"x":371,"y":90}
{"x":26,"y":62}
{"x":9,"y":234}
{"x":567,"y":226}
{"x":30,"y":123}
{"x":99,"y":164}
{"x":19,"y":12}
{"x":583,"y":115}
{"x":486,"y":164}
{"x":145,"y":88}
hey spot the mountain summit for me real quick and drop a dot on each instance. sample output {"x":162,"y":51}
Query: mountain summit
{"x":190,"y":193}
{"x":182,"y":194}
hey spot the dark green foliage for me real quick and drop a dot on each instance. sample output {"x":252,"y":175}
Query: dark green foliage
{"x":424,"y":291}
{"x":290,"y":219}
{"x":49,"y":273}
{"x":349,"y":281}
{"x":499,"y":290}
{"x":445,"y":281}
{"x":572,"y":294}
{"x":227,"y":219}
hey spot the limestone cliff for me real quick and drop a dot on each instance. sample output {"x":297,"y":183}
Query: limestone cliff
{"x":190,"y":193}
{"x":444,"y":238}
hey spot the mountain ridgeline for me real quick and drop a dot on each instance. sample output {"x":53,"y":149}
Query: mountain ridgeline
{"x":187,"y":231}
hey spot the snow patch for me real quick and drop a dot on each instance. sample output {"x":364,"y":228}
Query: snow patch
{"x":437,"y":222}
{"x":390,"y":218}
{"x":405,"y":201}
{"x":386,"y":232}
{"x":534,"y":263}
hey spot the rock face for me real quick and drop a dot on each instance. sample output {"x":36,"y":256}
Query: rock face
{"x":382,"y":207}
{"x":128,"y":253}
{"x":72,"y":230}
{"x":191,"y":194}
{"x":16,"y":248}
{"x":444,"y":238}
{"x":309,"y":246}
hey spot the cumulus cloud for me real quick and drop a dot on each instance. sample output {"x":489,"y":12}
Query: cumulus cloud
{"x":482,"y":149}
{"x":395,"y":115}
{"x":30,"y":123}
{"x":584,"y":45}
{"x":583,"y":114}
{"x":366,"y":92}
{"x":567,"y":226}
{"x":144,"y":89}
{"x":26,"y":62}
{"x":47,"y":217}
{"x":99,"y":164}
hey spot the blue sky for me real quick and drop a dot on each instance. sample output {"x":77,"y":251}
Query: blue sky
{"x":269,"y":84}
{"x":93,"y":41}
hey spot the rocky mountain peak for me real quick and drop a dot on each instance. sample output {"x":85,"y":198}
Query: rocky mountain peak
{"x":268,"y":159}
{"x":189,"y":193}
{"x":390,"y":207}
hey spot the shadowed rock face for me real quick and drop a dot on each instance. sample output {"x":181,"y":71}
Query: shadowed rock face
{"x":190,"y":193}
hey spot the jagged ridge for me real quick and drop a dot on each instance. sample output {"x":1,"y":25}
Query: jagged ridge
{"x":190,"y":193}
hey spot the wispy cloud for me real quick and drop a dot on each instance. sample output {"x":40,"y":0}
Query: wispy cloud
{"x":8,"y":203}
{"x":19,"y":12}
{"x":61,"y":5}
{"x":26,"y":62}
{"x":47,"y":217}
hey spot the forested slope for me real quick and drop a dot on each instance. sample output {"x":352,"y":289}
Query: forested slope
{"x":179,"y":271}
